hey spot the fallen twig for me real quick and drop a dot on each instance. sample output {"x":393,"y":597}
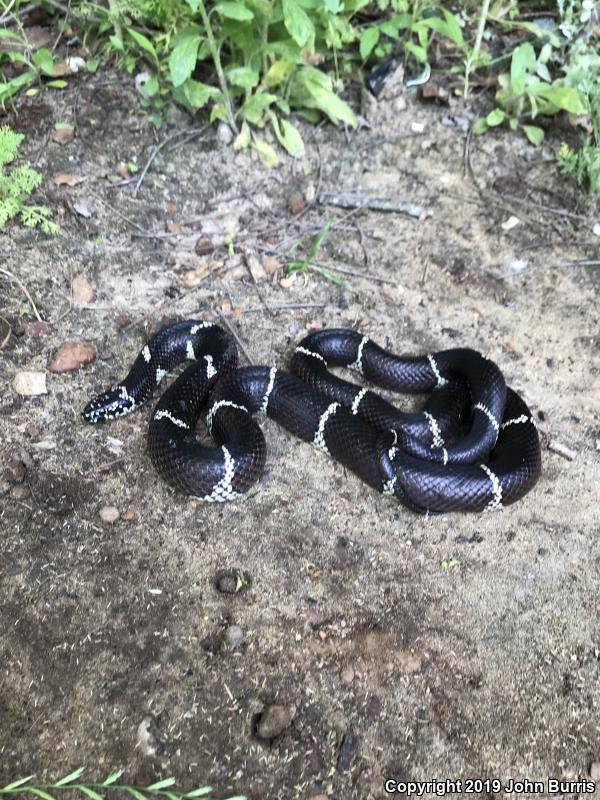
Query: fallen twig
{"x":189,"y":134}
{"x":24,"y":290}
{"x":356,"y":273}
{"x":280,"y":307}
{"x":562,"y":450}
{"x":593,"y":263}
{"x":374,"y":203}
{"x":7,"y":337}
{"x":229,"y":327}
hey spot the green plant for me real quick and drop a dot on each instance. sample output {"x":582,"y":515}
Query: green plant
{"x":97,"y":791}
{"x":412,"y":25}
{"x":24,"y":65}
{"x":17,"y":185}
{"x":306,"y":265}
{"x":583,"y":163}
{"x":528,"y":91}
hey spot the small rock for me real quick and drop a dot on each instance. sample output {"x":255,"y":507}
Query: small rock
{"x":595,"y":770}
{"x":348,"y":750}
{"x":256,"y":268}
{"x":347,"y":675}
{"x":19,"y":492}
{"x":274,"y":720}
{"x":224,"y":133}
{"x":16,"y":471}
{"x":234,"y":637}
{"x":109,"y":514}
{"x":296,"y":203}
{"x":82,"y":290}
{"x":596,"y":229}
{"x":203,"y":246}
{"x":72,"y":355}
{"x":29,"y":384}
{"x":82,"y":208}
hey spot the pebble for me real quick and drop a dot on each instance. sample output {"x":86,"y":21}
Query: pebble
{"x":347,"y":676}
{"x":274,"y":720}
{"x":595,"y":770}
{"x":16,"y":471}
{"x":109,"y":514}
{"x":224,"y":133}
{"x":234,"y":636}
{"x":19,"y":492}
{"x":349,"y":748}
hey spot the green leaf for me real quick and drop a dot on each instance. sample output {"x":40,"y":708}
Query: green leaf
{"x":447,"y":27}
{"x":243,"y":76}
{"x":44,"y":61}
{"x":16,"y":783}
{"x":34,"y":789}
{"x":143,"y":42}
{"x":278,"y":72}
{"x":480,"y":126}
{"x":263,"y":7}
{"x":288,"y":136}
{"x":534,"y":134}
{"x":6,"y":34}
{"x":233,"y":10}
{"x":418,"y":52}
{"x":297,"y":22}
{"x":113,"y":777}
{"x":184,"y":54}
{"x":193,"y":4}
{"x":163,"y":784}
{"x":116,"y":42}
{"x":368,"y":39}
{"x":93,"y":795}
{"x":523,"y":61}
{"x":265,"y":152}
{"x":254,"y":107}
{"x":566,"y":98}
{"x":92,"y":65}
{"x":495,"y":117}
{"x":59,"y":83}
{"x":202,"y":792}
{"x":194,"y":94}
{"x":242,"y":140}
{"x":70,"y":777}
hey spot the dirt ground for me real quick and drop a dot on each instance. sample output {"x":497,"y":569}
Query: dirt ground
{"x":363,"y":642}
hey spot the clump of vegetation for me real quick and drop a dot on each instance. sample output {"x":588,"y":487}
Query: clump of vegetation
{"x":17,"y":185}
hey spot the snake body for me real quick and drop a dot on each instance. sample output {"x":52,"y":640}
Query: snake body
{"x":473,"y":447}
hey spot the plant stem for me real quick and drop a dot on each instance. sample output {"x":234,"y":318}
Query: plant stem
{"x":483,"y":14}
{"x":214,"y":50}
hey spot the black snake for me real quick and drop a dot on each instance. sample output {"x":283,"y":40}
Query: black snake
{"x":473,"y":447}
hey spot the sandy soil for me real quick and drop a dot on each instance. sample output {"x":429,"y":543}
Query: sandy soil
{"x":162,"y":642}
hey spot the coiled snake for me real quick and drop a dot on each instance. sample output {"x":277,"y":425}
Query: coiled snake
{"x":473,"y":447}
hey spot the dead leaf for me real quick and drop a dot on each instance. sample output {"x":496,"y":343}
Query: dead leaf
{"x":170,"y":208}
{"x":29,"y":384}
{"x":285,"y":283}
{"x":123,"y":170}
{"x":82,"y":290}
{"x":194,"y":277}
{"x":72,"y":355}
{"x":271,"y":265}
{"x":296,"y":203}
{"x":224,"y":307}
{"x":173,"y":227}
{"x":63,"y":134}
{"x":64,"y":179}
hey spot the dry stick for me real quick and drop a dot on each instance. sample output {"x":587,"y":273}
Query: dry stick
{"x":7,"y":337}
{"x":594,"y":263}
{"x":24,"y":290}
{"x":281,"y":307}
{"x":234,"y":334}
{"x":156,"y":150}
{"x":373,"y":203}
{"x":355,"y":273}
{"x":562,"y":450}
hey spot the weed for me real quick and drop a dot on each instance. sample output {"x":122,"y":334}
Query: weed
{"x":17,"y":185}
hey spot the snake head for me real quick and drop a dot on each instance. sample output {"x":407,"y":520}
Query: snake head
{"x":109,"y":405}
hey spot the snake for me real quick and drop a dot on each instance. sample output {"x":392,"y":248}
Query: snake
{"x":474,"y":445}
